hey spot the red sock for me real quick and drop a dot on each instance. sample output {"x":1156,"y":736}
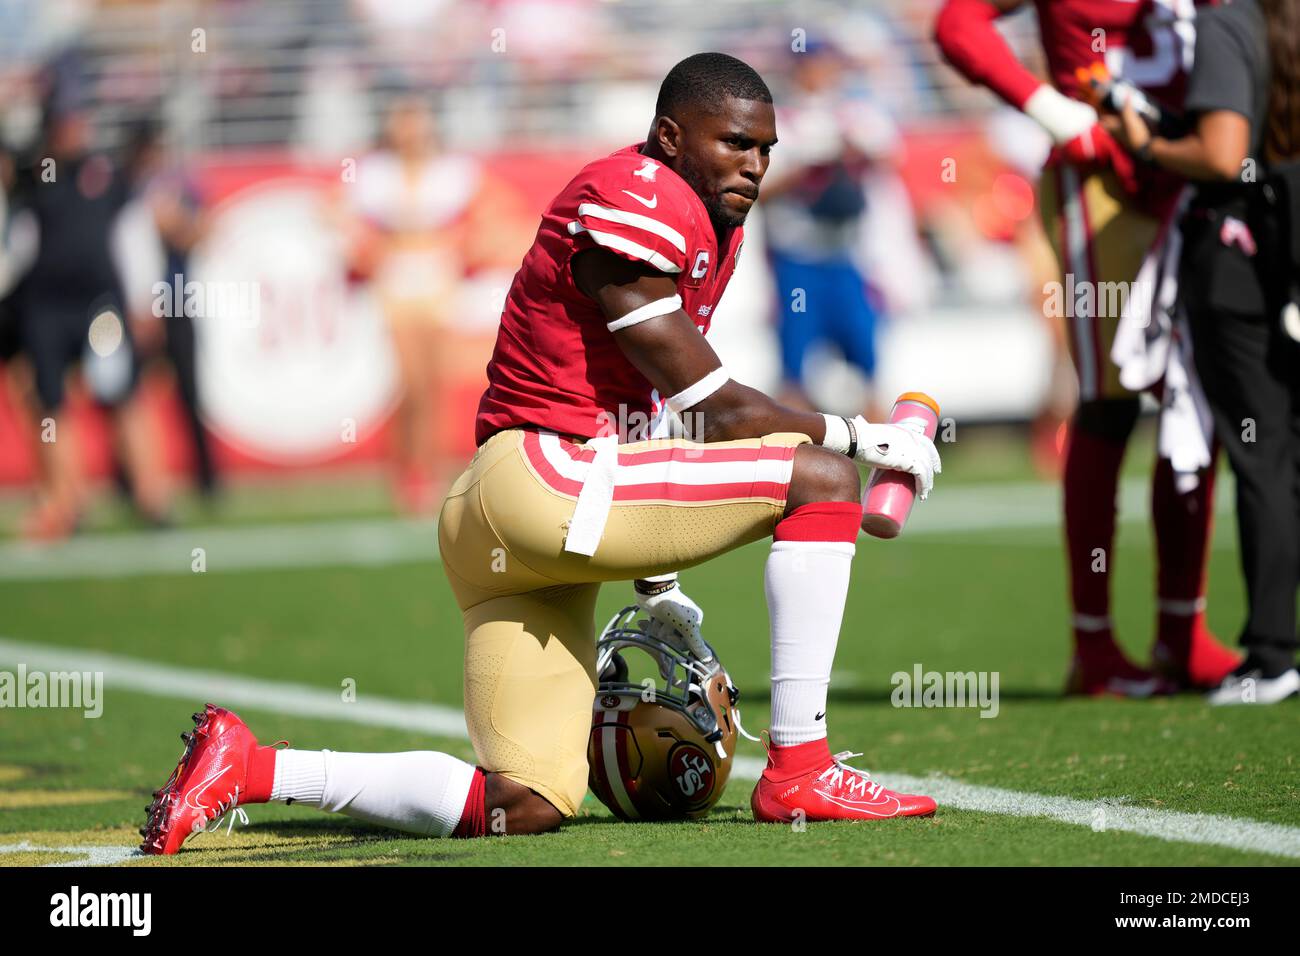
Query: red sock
{"x":821,"y":521}
{"x":473,"y":819}
{"x":1091,"y":475}
{"x":1183,"y":524}
{"x":261,"y":775}
{"x":798,"y":758}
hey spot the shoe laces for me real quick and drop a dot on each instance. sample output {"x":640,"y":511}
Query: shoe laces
{"x":840,"y":774}
{"x":228,"y":807}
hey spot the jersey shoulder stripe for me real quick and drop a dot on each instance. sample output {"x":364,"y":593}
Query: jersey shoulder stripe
{"x":637,"y":207}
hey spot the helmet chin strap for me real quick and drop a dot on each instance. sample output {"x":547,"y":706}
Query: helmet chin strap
{"x":740,"y":728}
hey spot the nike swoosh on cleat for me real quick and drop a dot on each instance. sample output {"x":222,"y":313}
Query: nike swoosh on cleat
{"x":820,"y":715}
{"x":875,"y":809}
{"x":648,"y":203}
{"x":190,"y":798}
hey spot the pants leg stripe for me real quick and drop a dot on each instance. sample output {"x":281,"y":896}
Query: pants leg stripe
{"x":1076,"y":255}
{"x":685,"y":472}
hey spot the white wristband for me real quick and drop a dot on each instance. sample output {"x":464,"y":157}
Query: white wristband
{"x":1062,"y":117}
{"x":692,"y":395}
{"x":837,"y":434}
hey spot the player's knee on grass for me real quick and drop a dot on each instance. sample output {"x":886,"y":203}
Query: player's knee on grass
{"x":822,"y":475}
{"x":1110,"y":419}
{"x":526,"y":811}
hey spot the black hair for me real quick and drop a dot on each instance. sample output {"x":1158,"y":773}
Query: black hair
{"x":705,"y":80}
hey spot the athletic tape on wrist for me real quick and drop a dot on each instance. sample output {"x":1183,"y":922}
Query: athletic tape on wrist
{"x":839,"y":434}
{"x":650,"y":310}
{"x":694,"y":394}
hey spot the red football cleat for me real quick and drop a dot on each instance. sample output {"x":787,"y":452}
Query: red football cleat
{"x":1099,"y":668}
{"x":827,"y":790}
{"x":1197,"y":663}
{"x":209,"y":781}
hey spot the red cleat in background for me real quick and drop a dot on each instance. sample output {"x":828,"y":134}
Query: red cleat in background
{"x":1198,"y":662}
{"x":1099,"y":668}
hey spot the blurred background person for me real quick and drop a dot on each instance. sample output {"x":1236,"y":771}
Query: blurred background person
{"x":815,"y":204}
{"x":1023,"y":147}
{"x":17,"y":248}
{"x":410,"y":204}
{"x":1244,"y":102}
{"x":71,"y":314}
{"x":168,"y":199}
{"x":1103,"y":215}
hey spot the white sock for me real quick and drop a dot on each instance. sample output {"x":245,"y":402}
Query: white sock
{"x":806,"y":584}
{"x":418,"y":791}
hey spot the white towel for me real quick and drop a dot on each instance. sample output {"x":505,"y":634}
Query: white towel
{"x":595,"y":498}
{"x":1153,"y":343}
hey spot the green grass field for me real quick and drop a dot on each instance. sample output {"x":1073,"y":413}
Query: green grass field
{"x":1047,"y":781}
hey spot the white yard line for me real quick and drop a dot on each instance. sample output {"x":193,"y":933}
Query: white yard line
{"x":299,"y":700}
{"x":376,"y":542}
{"x":88,"y":855}
{"x":385,"y":541}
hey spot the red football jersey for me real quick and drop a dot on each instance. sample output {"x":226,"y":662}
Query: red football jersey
{"x":1147,"y":42}
{"x":556,"y":364}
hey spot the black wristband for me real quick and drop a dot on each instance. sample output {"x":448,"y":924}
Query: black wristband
{"x":651,"y":588}
{"x":853,"y":438}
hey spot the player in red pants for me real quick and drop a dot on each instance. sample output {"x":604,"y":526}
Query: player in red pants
{"x":1103,"y":212}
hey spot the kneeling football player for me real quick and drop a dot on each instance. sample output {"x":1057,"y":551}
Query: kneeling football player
{"x":603,"y":330}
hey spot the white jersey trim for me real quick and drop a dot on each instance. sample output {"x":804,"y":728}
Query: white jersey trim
{"x":627,"y":246}
{"x":636,"y":221}
{"x":650,"y":310}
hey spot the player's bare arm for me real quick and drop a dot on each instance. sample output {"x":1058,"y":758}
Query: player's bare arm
{"x":672,"y":354}
{"x":966,"y":35}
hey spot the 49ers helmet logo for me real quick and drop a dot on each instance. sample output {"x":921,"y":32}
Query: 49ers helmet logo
{"x":691,"y":770}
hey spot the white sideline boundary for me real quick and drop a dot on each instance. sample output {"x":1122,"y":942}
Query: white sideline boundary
{"x":385,"y":541}
{"x":299,"y":700}
{"x":361,"y":543}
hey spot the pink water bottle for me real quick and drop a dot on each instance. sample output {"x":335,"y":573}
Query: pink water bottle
{"x":887,"y":500}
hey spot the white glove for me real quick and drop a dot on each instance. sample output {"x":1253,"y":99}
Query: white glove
{"x":898,"y":449}
{"x":1062,"y":117}
{"x":674,"y":618}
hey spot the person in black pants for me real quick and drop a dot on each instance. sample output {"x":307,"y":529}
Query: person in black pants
{"x":70,"y":308}
{"x":1243,"y":105}
{"x":181,"y":221}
